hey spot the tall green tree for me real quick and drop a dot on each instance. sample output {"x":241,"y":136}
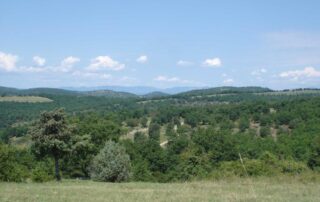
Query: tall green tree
{"x":154,"y":132}
{"x":51,"y":135}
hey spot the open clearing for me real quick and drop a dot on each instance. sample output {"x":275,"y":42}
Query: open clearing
{"x":30,"y":99}
{"x":260,"y":189}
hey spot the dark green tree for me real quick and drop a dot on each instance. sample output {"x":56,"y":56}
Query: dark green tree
{"x":244,"y":124}
{"x":144,"y":122}
{"x":51,"y":135}
{"x":265,"y":131}
{"x":314,"y":160}
{"x":154,"y":131}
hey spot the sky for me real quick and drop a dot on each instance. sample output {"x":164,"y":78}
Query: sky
{"x":167,"y":43}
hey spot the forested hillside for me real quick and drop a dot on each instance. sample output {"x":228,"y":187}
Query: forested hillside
{"x":199,"y":134}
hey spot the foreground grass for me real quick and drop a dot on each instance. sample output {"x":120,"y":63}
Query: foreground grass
{"x":223,"y":190}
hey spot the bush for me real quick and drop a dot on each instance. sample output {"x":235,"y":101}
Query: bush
{"x":292,"y":167}
{"x":314,"y":159}
{"x":235,"y":168}
{"x":139,"y":137}
{"x":41,"y":173}
{"x":112,"y":164}
{"x":266,"y":165}
{"x":141,"y":171}
{"x":265,"y":131}
{"x":11,"y":169}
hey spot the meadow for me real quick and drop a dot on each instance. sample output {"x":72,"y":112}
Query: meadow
{"x":28,"y":99}
{"x":236,"y":189}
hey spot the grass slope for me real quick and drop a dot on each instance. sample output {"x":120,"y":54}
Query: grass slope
{"x":28,"y":99}
{"x":261,"y":189}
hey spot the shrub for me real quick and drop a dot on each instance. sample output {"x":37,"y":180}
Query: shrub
{"x":139,"y":137}
{"x":266,"y":165}
{"x":112,"y":164}
{"x":292,"y":167}
{"x":141,"y":171}
{"x":314,"y":159}
{"x":133,"y":122}
{"x":41,"y":173}
{"x":11,"y":169}
{"x":234,"y":168}
{"x":265,"y":131}
{"x":144,"y":122}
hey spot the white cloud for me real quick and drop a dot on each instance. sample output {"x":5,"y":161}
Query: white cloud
{"x":67,"y":64}
{"x":69,"y":61}
{"x":105,"y":63}
{"x":142,"y":59}
{"x":214,"y":62}
{"x":184,"y":63}
{"x":307,"y":72}
{"x":8,"y":61}
{"x":259,"y":72}
{"x":228,"y":81}
{"x":40,"y":61}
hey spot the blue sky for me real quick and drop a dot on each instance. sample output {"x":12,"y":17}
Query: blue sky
{"x":160,"y":43}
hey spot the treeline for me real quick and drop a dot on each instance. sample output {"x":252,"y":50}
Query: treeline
{"x":12,"y":112}
{"x":181,"y":142}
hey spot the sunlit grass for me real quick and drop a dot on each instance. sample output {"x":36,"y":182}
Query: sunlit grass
{"x":237,"y":189}
{"x":30,"y":99}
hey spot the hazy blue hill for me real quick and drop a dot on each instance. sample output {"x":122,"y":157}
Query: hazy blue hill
{"x":47,"y":91}
{"x":176,"y":90}
{"x":62,"y":92}
{"x":155,"y":94}
{"x":110,"y":93}
{"x":35,"y":91}
{"x":8,"y":91}
{"x":138,"y":90}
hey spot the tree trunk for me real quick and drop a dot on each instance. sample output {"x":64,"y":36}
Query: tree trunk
{"x":57,"y":170}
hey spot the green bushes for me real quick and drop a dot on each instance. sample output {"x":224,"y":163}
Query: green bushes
{"x":11,"y":169}
{"x":112,"y":164}
{"x":203,"y":139}
{"x":266,"y":165}
{"x":18,"y":165}
{"x":314,"y":160}
{"x":42,"y":172}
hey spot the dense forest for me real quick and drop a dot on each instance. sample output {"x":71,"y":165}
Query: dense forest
{"x":202,"y":134}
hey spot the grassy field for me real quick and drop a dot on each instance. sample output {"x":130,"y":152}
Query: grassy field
{"x":30,"y":99}
{"x":260,"y":189}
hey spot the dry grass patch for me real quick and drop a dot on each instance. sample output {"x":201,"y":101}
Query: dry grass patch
{"x":29,"y":99}
{"x":260,"y":189}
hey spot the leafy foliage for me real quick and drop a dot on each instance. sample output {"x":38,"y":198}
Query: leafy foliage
{"x":112,"y":164}
{"x":202,"y":133}
{"x":51,"y":136}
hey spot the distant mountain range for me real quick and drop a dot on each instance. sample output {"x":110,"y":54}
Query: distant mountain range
{"x":140,"y":91}
{"x":137,"y":90}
